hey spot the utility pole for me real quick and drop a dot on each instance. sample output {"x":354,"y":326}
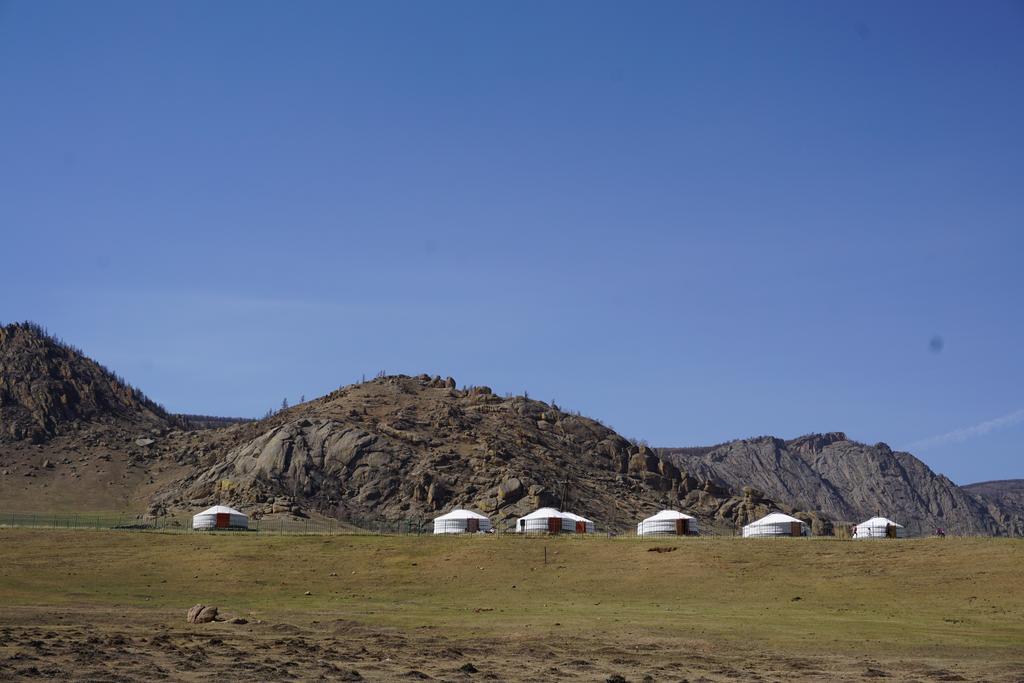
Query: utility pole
{"x":564,"y":484}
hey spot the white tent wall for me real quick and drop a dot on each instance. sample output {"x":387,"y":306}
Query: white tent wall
{"x":574,"y":524}
{"x":773,"y":530}
{"x":666,"y":527}
{"x":538,"y":525}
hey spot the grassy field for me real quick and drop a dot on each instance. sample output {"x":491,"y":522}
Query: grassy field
{"x":405,"y":606}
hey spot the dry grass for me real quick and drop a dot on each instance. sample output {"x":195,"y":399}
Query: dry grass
{"x":723,"y":609}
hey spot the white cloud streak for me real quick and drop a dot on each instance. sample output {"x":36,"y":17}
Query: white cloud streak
{"x":966,"y":433}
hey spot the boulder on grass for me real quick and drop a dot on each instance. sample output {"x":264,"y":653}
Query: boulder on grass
{"x":201,"y":614}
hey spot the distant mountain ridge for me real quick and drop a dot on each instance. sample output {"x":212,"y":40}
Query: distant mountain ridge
{"x":209,"y":421}
{"x":845,"y":480}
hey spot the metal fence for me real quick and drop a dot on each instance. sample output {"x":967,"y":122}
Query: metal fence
{"x":351,"y":526}
{"x":275,"y":525}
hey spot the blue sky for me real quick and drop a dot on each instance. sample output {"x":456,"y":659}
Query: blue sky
{"x":694,"y":221}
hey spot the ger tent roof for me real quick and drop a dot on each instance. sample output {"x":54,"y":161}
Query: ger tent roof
{"x":668,"y":514}
{"x":543,"y":513}
{"x":221,"y":510}
{"x":577,"y":518}
{"x":879,"y":522}
{"x":459,"y":514}
{"x":775,"y":518}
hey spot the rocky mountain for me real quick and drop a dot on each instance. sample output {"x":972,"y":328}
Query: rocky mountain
{"x":48,"y":387}
{"x":408,"y":447}
{"x":843,"y":479}
{"x":1004,"y":500}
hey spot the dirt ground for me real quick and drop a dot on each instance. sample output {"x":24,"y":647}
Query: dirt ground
{"x":126,"y":645}
{"x":110,"y":606}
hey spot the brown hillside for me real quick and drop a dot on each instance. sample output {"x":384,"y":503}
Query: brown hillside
{"x":48,"y":388}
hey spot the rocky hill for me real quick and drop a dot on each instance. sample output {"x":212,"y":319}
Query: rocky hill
{"x":1004,"y":500}
{"x":843,"y":479}
{"x":408,"y":447}
{"x":48,"y":387}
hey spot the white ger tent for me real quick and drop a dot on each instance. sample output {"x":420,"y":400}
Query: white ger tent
{"x":547,"y":520}
{"x":576,"y":524}
{"x":667,"y":523}
{"x":461,"y":522}
{"x":220,"y":517}
{"x":879,"y":527}
{"x":776,"y":524}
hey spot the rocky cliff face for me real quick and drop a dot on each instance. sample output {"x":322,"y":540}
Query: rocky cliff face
{"x":1004,"y":501}
{"x":47,"y":387}
{"x":845,"y":480}
{"x":408,"y":447}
